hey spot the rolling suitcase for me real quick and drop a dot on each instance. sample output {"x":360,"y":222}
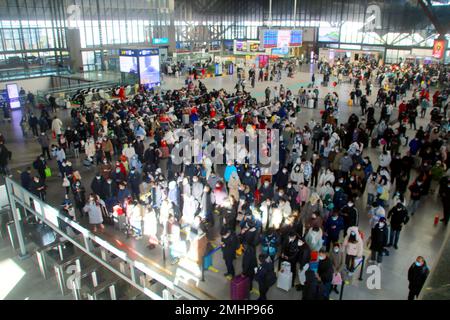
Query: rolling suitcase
{"x":240,"y":288}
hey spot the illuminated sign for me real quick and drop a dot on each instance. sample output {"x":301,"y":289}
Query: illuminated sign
{"x":280,"y":38}
{"x":160,"y":40}
{"x":139,"y":52}
{"x":13,"y":95}
{"x":439,"y":48}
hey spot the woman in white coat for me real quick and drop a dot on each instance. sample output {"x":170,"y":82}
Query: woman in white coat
{"x":89,"y":149}
{"x":56,"y":126}
{"x":94,"y":210}
{"x":353,"y":246}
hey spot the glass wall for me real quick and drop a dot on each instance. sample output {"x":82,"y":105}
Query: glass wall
{"x":35,"y":29}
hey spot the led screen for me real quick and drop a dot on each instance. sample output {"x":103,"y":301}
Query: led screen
{"x":149,"y":70}
{"x":13,"y":90}
{"x":329,"y":34}
{"x":13,"y":95}
{"x":280,"y":38}
{"x":128,"y":64}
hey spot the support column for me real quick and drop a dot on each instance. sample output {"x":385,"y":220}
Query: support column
{"x":74,"y":47}
{"x":171,"y":32}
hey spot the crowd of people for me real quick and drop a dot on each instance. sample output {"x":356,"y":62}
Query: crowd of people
{"x":304,"y":215}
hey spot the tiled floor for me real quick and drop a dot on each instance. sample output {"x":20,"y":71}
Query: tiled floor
{"x":419,"y":237}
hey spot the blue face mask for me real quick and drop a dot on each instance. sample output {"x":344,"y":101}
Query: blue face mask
{"x":418,"y":264}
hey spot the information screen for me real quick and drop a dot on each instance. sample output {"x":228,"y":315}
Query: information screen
{"x":128,"y":64}
{"x":270,"y":38}
{"x":13,"y":95}
{"x":281,"y":38}
{"x":328,"y":34}
{"x":149,"y":70}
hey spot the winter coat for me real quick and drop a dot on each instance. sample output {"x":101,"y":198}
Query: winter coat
{"x":314,"y":239}
{"x":416,"y":277}
{"x":94,"y":211}
{"x":379,"y":238}
{"x":334,"y":227}
{"x":353,"y":249}
{"x":398,"y":217}
{"x":338,"y":260}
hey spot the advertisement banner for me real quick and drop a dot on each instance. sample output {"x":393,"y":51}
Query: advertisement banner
{"x":439,"y":48}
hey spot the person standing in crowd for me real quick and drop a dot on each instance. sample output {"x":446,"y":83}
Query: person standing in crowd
{"x":5,"y":156}
{"x":417,"y":275}
{"x":230,"y":244}
{"x":94,"y":210}
{"x":379,"y":240}
{"x":325,"y":272}
{"x":398,"y":216}
{"x":44,"y":141}
{"x":265,"y":275}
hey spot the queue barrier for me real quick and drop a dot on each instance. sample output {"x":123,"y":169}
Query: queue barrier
{"x":207,"y":262}
{"x":360,"y":278}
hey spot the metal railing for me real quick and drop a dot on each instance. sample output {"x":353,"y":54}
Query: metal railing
{"x":21,"y":200}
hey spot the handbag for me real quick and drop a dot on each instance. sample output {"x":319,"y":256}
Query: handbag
{"x":48,"y":172}
{"x":66,"y":182}
{"x":337,"y":279}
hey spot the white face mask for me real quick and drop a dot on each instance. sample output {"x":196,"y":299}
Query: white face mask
{"x":336,"y":250}
{"x":381,"y":224}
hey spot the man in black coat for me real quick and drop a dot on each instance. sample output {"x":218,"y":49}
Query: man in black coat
{"x":134,"y":180}
{"x":39,"y":164}
{"x":97,"y":185}
{"x":25,"y":179}
{"x":313,"y":289}
{"x":417,"y":274}
{"x":398,"y":216}
{"x":249,"y":239}
{"x":265,"y":275}
{"x":230,"y":244}
{"x":38,"y":187}
{"x":289,"y":253}
{"x":379,"y":238}
{"x":325,"y":272}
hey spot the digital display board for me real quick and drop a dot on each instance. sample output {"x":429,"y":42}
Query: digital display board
{"x":240,"y":46}
{"x":128,"y":64}
{"x":328,"y":34}
{"x":149,"y":70}
{"x":439,"y":49}
{"x":280,"y":38}
{"x":13,"y":95}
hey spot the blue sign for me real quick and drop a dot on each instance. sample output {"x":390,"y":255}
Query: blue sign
{"x":160,"y":40}
{"x":280,"y":51}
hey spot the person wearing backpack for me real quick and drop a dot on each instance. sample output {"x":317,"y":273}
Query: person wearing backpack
{"x":270,"y":243}
{"x":265,"y":275}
